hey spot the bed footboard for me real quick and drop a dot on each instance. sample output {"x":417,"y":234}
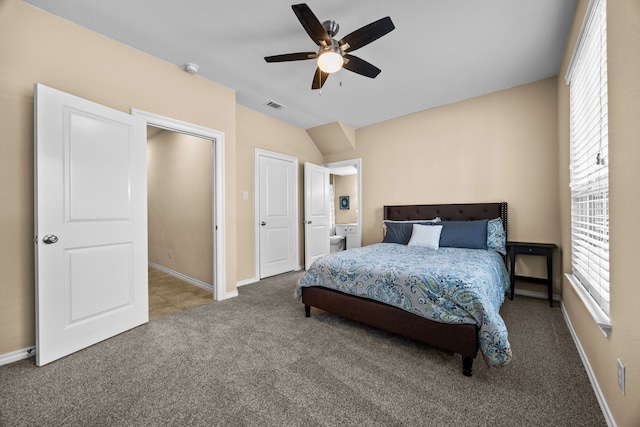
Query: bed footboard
{"x":457,"y":338}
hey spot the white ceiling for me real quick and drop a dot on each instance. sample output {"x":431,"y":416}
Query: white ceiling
{"x":441,"y":51}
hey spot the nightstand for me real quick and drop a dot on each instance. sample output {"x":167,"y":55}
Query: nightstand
{"x":525,"y":248}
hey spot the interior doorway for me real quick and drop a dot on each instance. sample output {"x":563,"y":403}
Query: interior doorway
{"x":215,"y":228}
{"x":346,"y":180}
{"x":180,"y":204}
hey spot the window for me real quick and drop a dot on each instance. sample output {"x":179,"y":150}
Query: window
{"x":587,"y":77}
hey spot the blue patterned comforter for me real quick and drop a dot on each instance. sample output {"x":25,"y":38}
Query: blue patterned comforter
{"x":450,"y":285}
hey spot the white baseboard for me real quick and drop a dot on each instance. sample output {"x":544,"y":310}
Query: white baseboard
{"x":592,"y":378}
{"x":247,"y":282}
{"x":232,"y":294}
{"x":14,"y":356}
{"x":534,"y":294}
{"x":255,"y":279}
{"x":181,"y":276}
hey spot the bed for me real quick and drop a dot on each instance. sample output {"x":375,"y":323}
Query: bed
{"x":417,"y":304}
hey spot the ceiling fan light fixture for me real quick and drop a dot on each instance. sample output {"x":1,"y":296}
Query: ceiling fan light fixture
{"x":330,"y":61}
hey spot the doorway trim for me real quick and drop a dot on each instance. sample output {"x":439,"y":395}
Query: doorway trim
{"x":357,"y":162}
{"x":218,"y":187}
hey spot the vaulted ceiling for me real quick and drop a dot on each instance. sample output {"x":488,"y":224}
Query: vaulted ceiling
{"x":440,"y":51}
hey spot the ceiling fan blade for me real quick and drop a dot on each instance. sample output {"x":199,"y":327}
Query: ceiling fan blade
{"x":360,"y":66}
{"x":300,"y":56}
{"x":311,"y":24}
{"x":319,"y":78}
{"x":365,"y":35}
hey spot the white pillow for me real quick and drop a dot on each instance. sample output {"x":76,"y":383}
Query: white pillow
{"x":427,"y":236}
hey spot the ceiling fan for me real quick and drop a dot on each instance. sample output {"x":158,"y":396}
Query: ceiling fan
{"x":333,"y":55}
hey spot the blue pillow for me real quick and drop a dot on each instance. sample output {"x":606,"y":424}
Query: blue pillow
{"x":400,"y":231}
{"x":496,"y":236}
{"x":464,"y":234}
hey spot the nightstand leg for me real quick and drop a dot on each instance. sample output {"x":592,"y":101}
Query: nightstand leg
{"x":512,"y":271}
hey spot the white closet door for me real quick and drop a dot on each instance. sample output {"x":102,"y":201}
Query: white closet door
{"x":90,"y":222}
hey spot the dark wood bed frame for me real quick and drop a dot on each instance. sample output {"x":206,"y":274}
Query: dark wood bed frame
{"x":456,"y":338}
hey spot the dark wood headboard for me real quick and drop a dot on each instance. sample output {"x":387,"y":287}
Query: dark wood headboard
{"x":448,"y":212}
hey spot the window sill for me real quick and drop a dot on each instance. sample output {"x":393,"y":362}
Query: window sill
{"x":601,"y":319}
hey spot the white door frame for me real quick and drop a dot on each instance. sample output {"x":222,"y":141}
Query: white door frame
{"x":256,"y":205}
{"x":218,"y":187}
{"x":358,"y":164}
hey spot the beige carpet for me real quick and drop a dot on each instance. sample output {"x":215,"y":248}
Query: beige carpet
{"x":255,"y":360}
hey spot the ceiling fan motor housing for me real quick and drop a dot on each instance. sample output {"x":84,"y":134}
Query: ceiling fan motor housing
{"x":331,"y":27}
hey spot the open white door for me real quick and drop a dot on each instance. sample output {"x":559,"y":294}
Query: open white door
{"x":90,"y":223}
{"x":316,"y":213}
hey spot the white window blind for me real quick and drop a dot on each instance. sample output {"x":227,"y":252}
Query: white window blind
{"x":587,"y":77}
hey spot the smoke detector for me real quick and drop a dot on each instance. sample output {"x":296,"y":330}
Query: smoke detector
{"x":191,"y":68}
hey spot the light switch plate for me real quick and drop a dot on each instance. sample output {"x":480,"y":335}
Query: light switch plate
{"x":621,"y":376}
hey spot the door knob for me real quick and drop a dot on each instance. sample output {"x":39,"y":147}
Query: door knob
{"x":263,"y":223}
{"x":50,"y":239}
{"x":309,"y":222}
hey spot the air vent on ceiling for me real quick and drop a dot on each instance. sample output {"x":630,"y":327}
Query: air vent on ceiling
{"x":274,"y":105}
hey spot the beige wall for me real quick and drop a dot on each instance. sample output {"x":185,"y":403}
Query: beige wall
{"x":623,"y":44}
{"x":497,"y":147}
{"x":510,"y":145}
{"x":346,"y":185}
{"x":36,"y":47}
{"x":179,"y":170}
{"x":257,"y":130}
